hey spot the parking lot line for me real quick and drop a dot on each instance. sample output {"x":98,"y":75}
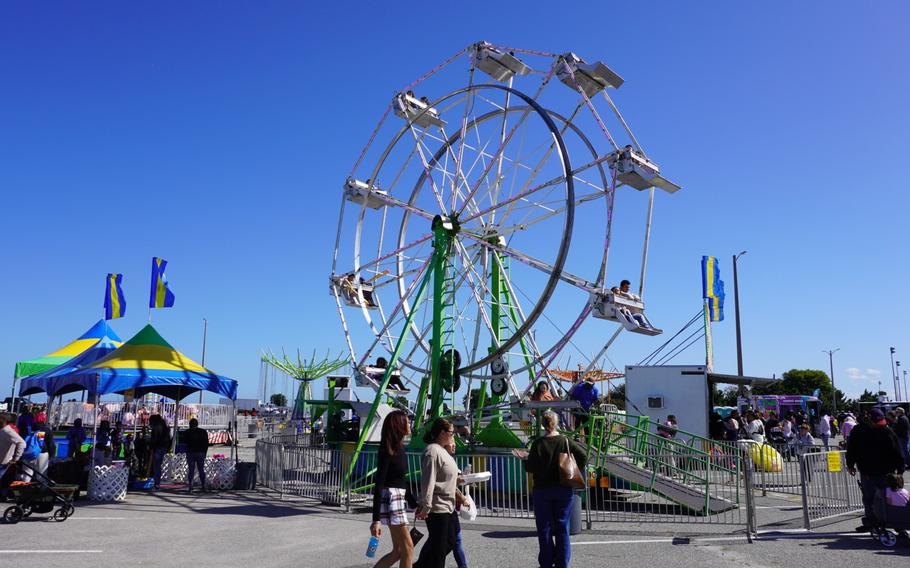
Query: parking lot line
{"x":51,"y":551}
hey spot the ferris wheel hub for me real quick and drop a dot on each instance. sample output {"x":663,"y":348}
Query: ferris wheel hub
{"x":446,"y":223}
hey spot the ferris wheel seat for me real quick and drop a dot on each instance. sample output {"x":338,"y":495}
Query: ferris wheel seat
{"x":591,"y":78}
{"x":362,"y":193}
{"x":625,"y":311}
{"x":371,"y":376}
{"x":353,"y":294}
{"x":418,"y":111}
{"x":498,"y":65}
{"x":637,"y":171}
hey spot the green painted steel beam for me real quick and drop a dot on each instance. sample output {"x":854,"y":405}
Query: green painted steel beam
{"x":399,"y":345}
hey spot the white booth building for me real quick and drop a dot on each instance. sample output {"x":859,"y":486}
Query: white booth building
{"x":681,"y":390}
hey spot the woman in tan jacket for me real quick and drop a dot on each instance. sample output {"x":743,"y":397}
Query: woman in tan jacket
{"x":439,"y":476}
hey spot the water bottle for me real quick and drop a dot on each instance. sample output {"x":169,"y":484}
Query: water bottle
{"x":372,"y":546}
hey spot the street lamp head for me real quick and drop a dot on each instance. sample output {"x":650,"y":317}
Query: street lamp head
{"x":892,"y":350}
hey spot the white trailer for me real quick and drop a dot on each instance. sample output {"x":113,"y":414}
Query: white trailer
{"x":681,"y":390}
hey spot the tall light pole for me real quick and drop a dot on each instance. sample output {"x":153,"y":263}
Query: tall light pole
{"x":897,"y":380}
{"x":739,"y":338}
{"x":905,"y":383}
{"x":893,"y":373}
{"x":831,"y":353}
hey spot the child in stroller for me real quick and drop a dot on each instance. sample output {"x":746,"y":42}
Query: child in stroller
{"x":892,"y":512}
{"x":779,"y":442}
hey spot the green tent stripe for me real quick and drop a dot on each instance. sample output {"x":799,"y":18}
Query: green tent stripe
{"x":149,"y":336}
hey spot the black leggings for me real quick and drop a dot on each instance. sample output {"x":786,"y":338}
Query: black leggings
{"x":438,"y":540}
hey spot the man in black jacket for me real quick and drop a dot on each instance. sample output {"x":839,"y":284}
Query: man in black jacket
{"x":197,"y":446}
{"x":875,"y":450}
{"x":902,"y":430}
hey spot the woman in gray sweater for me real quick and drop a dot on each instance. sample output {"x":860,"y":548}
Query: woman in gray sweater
{"x":438,"y":478}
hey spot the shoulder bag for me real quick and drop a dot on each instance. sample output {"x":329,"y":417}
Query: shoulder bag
{"x":569,"y":474}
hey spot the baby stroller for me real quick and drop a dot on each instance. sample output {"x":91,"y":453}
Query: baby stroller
{"x":38,"y":496}
{"x":779,"y":442}
{"x":889,"y":520}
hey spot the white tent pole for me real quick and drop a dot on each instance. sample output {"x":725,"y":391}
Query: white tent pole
{"x":95,"y":420}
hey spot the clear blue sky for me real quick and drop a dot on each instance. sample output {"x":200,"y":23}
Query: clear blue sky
{"x":217,"y":136}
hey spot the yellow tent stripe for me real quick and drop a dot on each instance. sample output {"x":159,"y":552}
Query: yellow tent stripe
{"x":74,"y":348}
{"x":149,"y":357}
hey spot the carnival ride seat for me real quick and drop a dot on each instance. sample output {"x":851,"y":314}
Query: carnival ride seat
{"x":609,"y":306}
{"x":637,"y":171}
{"x":371,"y":376}
{"x":415,"y":110}
{"x":363,"y":193}
{"x":354,"y":294}
{"x":501,"y":66}
{"x":590,"y":77}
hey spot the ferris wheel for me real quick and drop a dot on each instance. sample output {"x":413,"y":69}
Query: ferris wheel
{"x":475,"y":226}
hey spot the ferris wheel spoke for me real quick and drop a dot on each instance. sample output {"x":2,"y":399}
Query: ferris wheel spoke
{"x":529,"y":260}
{"x":468,"y":110}
{"x":399,"y":307}
{"x":525,"y":223}
{"x":498,"y":153}
{"x":508,"y":137}
{"x":395,"y":253}
{"x":478,"y":295}
{"x":457,"y":185}
{"x":531,"y":191}
{"x":522,"y":318}
{"x":428,"y":170}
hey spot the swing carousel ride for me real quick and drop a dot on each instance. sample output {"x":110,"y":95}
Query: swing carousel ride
{"x":474,"y":234}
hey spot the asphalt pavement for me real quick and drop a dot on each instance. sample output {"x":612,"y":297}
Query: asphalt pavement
{"x":255,"y":528}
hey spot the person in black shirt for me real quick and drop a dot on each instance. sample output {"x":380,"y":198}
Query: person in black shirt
{"x":390,"y":490}
{"x":197,"y":446}
{"x":160,"y":443}
{"x":552,"y":501}
{"x":874,"y":449}
{"x":716,"y":428}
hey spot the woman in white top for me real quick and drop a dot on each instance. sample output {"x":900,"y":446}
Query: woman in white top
{"x":755,"y":428}
{"x":824,"y":430}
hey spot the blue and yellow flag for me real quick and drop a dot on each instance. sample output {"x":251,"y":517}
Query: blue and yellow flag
{"x":114,"y":301}
{"x":712,"y":287}
{"x":160,"y":295}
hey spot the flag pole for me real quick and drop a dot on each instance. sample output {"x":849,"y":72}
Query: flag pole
{"x":205,"y":329}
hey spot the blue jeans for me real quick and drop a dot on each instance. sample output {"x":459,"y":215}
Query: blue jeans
{"x":552,"y":509}
{"x":157,"y":458}
{"x":457,"y":547}
{"x":195,"y":460}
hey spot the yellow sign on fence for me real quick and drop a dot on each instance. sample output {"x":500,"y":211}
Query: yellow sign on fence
{"x":834,"y":464}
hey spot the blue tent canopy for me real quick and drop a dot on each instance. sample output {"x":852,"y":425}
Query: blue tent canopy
{"x":53,"y":381}
{"x":145,"y":364}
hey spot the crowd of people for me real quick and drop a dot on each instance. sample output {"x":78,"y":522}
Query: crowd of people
{"x":795,"y":433}
{"x":27,"y":445}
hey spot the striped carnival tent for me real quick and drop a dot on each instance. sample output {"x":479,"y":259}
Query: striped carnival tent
{"x":49,"y":381}
{"x":146,"y":363}
{"x":90,"y":338}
